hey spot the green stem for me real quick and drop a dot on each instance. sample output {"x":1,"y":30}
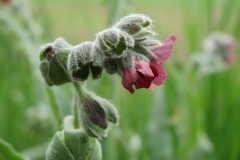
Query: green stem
{"x":77,"y":96}
{"x":75,"y":112}
{"x":54,"y":107}
{"x":78,"y":89}
{"x":8,"y":152}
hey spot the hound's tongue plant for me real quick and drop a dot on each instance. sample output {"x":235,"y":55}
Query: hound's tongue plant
{"x":130,"y":49}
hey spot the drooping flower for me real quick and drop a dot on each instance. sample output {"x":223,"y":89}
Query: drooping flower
{"x":143,"y":75}
{"x":146,"y":75}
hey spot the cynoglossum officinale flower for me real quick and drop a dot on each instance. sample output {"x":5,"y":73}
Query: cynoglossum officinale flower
{"x":129,"y":48}
{"x":148,"y":71}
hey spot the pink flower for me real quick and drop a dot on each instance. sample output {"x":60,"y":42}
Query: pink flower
{"x":145,"y":75}
{"x":141,"y":76}
{"x":164,"y":51}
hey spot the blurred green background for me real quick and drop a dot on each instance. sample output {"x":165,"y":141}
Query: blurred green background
{"x":186,"y":118}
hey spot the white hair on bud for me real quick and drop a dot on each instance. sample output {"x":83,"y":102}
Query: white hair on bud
{"x":83,"y":51}
{"x":139,"y":19}
{"x":96,"y":56}
{"x":150,"y":43}
{"x":128,"y":39}
{"x":72,"y":64}
{"x":128,"y":59}
{"x":61,"y":44}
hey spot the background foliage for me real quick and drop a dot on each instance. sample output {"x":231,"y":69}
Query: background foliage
{"x":186,"y":118}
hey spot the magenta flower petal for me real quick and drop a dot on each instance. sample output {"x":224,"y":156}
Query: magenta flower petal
{"x":156,"y":74}
{"x":129,"y":77}
{"x":172,"y":37}
{"x":161,"y":73}
{"x":164,"y":51}
{"x":143,"y":82}
{"x":143,"y":67}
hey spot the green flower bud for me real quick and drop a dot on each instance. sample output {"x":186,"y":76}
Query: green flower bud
{"x":150,"y":44}
{"x":96,"y":71}
{"x":97,"y":56}
{"x":111,"y":65}
{"x":73,"y":145}
{"x":143,"y":51}
{"x":144,"y":35}
{"x":113,"y":42}
{"x":94,"y":114}
{"x":128,"y":59}
{"x":53,"y":62}
{"x":134,"y":23}
{"x":81,"y":59}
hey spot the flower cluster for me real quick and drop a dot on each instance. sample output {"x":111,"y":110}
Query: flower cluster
{"x":128,"y":48}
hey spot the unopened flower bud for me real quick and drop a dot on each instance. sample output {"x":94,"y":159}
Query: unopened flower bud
{"x":97,"y":62}
{"x":150,"y":44}
{"x":95,"y":113}
{"x":144,"y":35}
{"x":143,"y":51}
{"x":73,"y":145}
{"x":81,"y":59}
{"x":113,"y":42}
{"x":53,"y":62}
{"x":133,"y":23}
{"x":111,"y":65}
{"x":96,"y":71}
{"x":128,"y":59}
